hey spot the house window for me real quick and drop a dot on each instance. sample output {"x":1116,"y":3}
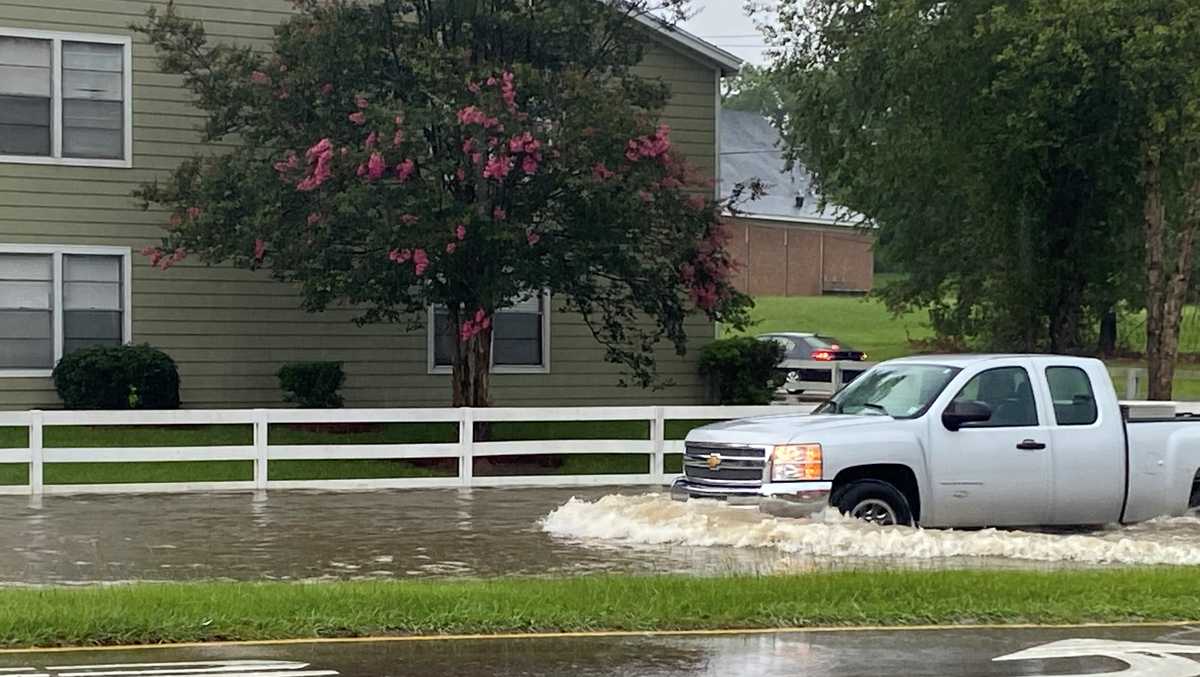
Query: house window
{"x":56,"y":300}
{"x":65,"y":98}
{"x":520,"y":338}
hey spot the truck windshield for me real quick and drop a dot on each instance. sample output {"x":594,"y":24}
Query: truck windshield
{"x":898,"y":390}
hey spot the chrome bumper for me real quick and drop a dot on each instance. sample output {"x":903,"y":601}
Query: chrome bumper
{"x":797,"y":496}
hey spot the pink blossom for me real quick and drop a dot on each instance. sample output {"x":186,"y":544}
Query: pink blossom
{"x":409,"y":219}
{"x":291,"y":162}
{"x":474,"y":326}
{"x":497,"y":168}
{"x":645,"y":196}
{"x":529,"y":165}
{"x":420,"y":261}
{"x":327,"y":88}
{"x":398,"y":137}
{"x":319,"y":158}
{"x":697,"y":202}
{"x":491,"y":82}
{"x":468,"y":146}
{"x":471,"y":115}
{"x":260,"y":78}
{"x":671,"y":183}
{"x":175,"y":219}
{"x":461,"y":231}
{"x":508,"y":91}
{"x":476,"y":158}
{"x":372,"y":139}
{"x":404,"y":170}
{"x":654,"y":146}
{"x":260,"y":250}
{"x":314,"y":218}
{"x":532,"y":237}
{"x":375,"y":167}
{"x":460,"y":174}
{"x":602,"y":173}
{"x":473,"y":87}
{"x":149,"y":250}
{"x":193,"y":213}
{"x":400,"y":255}
{"x":498,"y":214}
{"x":361,"y":102}
{"x":358,"y":118}
{"x":451,"y":247}
{"x":283,"y":94}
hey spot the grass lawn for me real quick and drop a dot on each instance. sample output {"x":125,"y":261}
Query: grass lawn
{"x":164,"y":613}
{"x":867,"y":325}
{"x":390,"y":433}
{"x":861,"y":322}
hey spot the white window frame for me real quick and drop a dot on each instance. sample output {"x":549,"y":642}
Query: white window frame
{"x":543,"y":368}
{"x":56,"y":252}
{"x":56,"y":39}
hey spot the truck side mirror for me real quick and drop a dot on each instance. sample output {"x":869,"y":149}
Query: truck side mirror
{"x":959,"y":414}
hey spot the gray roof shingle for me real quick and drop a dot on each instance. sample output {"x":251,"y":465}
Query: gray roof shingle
{"x":750,"y":148}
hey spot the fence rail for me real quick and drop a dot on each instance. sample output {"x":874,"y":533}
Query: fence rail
{"x":261,"y":452}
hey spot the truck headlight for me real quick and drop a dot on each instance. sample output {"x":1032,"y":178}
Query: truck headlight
{"x":796,"y":463}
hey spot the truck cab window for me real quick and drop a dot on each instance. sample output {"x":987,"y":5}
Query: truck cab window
{"x":1071,"y":390}
{"x":1007,"y":392}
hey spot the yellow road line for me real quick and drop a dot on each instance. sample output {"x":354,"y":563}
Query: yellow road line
{"x":601,"y":634}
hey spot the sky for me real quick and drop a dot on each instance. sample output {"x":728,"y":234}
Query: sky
{"x":725,"y":24}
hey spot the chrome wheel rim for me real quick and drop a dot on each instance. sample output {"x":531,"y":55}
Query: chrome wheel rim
{"x":874,"y":511}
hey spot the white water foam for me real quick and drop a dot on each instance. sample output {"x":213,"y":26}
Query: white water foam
{"x":656,"y":519}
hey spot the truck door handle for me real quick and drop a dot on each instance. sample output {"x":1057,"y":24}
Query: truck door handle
{"x":1031,"y":445}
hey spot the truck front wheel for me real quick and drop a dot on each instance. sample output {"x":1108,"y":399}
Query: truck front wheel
{"x":874,"y":501}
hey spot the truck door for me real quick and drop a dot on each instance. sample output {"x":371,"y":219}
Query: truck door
{"x":1089,"y":451}
{"x":995,"y":472}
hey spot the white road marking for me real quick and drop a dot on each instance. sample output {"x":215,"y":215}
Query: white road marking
{"x":1142,"y":659}
{"x":239,"y":668}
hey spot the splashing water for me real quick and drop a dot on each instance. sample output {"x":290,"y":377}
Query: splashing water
{"x":656,"y":519}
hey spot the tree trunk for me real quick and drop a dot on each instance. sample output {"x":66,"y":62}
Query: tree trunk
{"x":1107,"y":345}
{"x":472,"y":365}
{"x":1168,"y":273}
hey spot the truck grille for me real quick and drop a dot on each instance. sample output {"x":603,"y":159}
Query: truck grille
{"x":741,"y":468}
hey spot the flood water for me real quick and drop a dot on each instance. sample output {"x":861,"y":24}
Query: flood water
{"x":497,"y":532}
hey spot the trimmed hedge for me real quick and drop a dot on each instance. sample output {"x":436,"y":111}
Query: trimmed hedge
{"x":741,"y":370}
{"x":312,"y":385}
{"x":118,"y":377}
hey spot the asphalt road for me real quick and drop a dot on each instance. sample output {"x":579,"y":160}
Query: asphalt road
{"x":1162,"y":651}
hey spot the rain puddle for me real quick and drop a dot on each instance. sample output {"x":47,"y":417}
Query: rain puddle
{"x":654,"y":519}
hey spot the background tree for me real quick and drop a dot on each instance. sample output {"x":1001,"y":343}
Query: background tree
{"x":753,"y":90}
{"x":1010,"y":152}
{"x":400,"y":155}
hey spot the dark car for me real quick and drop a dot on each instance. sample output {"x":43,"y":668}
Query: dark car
{"x":801,"y":349}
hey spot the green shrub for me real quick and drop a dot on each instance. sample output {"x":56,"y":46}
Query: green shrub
{"x":312,"y":385}
{"x":118,"y":377}
{"x":741,"y":370}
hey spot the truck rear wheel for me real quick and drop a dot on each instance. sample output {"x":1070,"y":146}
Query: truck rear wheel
{"x":874,"y":501}
{"x":1194,"y":502}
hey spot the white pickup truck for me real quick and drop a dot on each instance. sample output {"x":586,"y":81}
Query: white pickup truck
{"x":960,"y":441}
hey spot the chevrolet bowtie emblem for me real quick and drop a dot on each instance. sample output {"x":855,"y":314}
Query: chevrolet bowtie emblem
{"x":714,"y":460}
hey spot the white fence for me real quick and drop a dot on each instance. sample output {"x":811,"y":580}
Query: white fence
{"x":261,"y":452}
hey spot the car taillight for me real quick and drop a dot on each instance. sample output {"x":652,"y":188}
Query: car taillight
{"x":822,"y":355}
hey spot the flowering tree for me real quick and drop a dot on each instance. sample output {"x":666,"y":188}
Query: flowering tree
{"x":396,"y":155}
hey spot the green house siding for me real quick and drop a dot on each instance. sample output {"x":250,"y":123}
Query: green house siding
{"x":230,"y":330}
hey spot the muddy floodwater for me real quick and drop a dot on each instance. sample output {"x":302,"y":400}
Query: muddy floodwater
{"x":499,"y":532}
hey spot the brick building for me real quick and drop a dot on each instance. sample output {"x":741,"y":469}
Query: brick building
{"x":786,"y":244}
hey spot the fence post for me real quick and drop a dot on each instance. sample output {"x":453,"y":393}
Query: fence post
{"x":466,"y":443}
{"x":36,"y":476}
{"x":658,"y":442}
{"x":261,"y":437}
{"x":836,"y":377}
{"x":1131,"y":384}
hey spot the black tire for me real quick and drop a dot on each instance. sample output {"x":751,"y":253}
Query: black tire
{"x":874,"y":501}
{"x":1194,"y":501}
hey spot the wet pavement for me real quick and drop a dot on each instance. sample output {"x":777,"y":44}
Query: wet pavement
{"x":498,"y":532}
{"x":1135,"y":652}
